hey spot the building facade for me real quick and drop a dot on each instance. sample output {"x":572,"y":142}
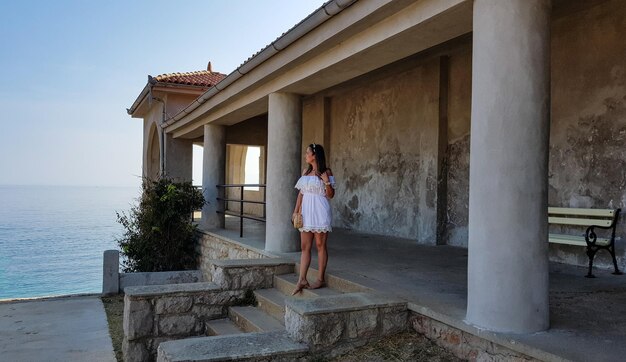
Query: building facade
{"x":447,"y":122}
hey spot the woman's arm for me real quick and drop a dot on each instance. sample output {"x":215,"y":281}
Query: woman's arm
{"x":298,"y":203}
{"x":330,"y":191}
{"x":299,"y":199}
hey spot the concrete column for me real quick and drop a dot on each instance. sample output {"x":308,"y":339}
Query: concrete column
{"x":178,"y":158}
{"x":111,"y":272}
{"x":283,"y":169}
{"x":213,"y":172}
{"x":508,"y":221}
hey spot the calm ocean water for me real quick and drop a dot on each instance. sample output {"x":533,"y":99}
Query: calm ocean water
{"x":52,"y":237}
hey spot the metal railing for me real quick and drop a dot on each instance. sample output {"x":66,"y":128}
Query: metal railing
{"x":193,"y":213}
{"x":241,"y":202}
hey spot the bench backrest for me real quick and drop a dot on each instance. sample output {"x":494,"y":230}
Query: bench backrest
{"x":581,"y":217}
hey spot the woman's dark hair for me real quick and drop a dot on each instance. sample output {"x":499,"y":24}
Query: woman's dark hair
{"x":320,"y":158}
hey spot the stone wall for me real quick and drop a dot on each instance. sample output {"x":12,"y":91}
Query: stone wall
{"x":462,"y":344}
{"x":335,"y":324}
{"x":248,"y":274}
{"x":158,"y":313}
{"x":213,"y":247}
{"x":159,"y":278}
{"x":154,"y":314}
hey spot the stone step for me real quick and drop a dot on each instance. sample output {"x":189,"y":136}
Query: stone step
{"x":249,"y":347}
{"x":222,"y":327}
{"x":337,"y":281}
{"x":271,"y":301}
{"x":352,"y":317}
{"x":286,"y":283}
{"x":252,"y":319}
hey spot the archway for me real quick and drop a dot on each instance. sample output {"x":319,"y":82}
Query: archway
{"x":153,"y":154}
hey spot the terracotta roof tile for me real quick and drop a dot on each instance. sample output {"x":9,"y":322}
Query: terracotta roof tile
{"x":202,"y":78}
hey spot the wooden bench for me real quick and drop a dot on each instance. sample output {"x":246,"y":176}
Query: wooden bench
{"x":592,"y":219}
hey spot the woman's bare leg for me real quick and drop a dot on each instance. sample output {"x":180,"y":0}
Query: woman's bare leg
{"x":306,"y":239}
{"x":322,"y":259}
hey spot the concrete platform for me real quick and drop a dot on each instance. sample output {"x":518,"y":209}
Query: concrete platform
{"x":57,"y":329}
{"x":587,"y":316}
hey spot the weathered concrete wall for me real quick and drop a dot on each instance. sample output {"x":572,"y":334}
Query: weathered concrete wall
{"x":178,"y":161}
{"x":249,"y":132}
{"x":457,"y":165}
{"x":316,"y":124}
{"x":383,"y":138}
{"x":588,"y":131}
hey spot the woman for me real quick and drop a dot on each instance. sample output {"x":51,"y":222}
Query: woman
{"x":316,"y":187}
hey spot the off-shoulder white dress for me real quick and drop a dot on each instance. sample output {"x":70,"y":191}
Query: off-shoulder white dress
{"x":316,"y":213}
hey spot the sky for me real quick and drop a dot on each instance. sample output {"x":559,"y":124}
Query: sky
{"x":70,"y":68}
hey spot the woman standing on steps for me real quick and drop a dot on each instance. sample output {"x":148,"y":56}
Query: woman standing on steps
{"x":317,"y":186}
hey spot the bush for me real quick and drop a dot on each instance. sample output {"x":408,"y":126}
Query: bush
{"x":159,"y":234}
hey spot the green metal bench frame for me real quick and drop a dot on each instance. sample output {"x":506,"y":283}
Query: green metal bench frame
{"x":592,"y":219}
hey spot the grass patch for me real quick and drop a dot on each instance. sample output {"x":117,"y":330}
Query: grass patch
{"x":407,"y":346}
{"x":114,"y":308}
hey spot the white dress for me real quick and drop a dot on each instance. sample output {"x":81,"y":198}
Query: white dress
{"x":316,"y":212}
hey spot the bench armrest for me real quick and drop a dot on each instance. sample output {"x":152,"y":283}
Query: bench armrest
{"x":591,"y":237}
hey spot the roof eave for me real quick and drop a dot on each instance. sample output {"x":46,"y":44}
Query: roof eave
{"x":140,"y":98}
{"x":329,"y":9}
{"x":153,"y":83}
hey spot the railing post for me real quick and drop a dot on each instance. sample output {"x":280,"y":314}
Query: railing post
{"x":264,"y":201}
{"x":241,"y":214}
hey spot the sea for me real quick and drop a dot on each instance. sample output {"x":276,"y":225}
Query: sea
{"x":52,"y":238}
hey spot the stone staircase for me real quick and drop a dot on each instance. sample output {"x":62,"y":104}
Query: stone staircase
{"x":269,"y":313}
{"x":258,"y":333}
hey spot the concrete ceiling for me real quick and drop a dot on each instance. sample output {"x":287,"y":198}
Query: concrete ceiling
{"x":387,"y":35}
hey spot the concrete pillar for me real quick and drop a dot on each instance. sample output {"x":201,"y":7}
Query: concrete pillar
{"x":508,"y":221}
{"x":213,"y":173}
{"x":178,"y":161}
{"x":283,"y":169}
{"x":111,"y":272}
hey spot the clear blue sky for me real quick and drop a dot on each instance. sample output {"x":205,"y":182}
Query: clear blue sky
{"x":70,"y":68}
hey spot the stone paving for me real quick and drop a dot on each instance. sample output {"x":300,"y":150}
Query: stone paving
{"x":57,"y":329}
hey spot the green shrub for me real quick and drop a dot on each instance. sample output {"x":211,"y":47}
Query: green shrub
{"x":158,"y":233}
